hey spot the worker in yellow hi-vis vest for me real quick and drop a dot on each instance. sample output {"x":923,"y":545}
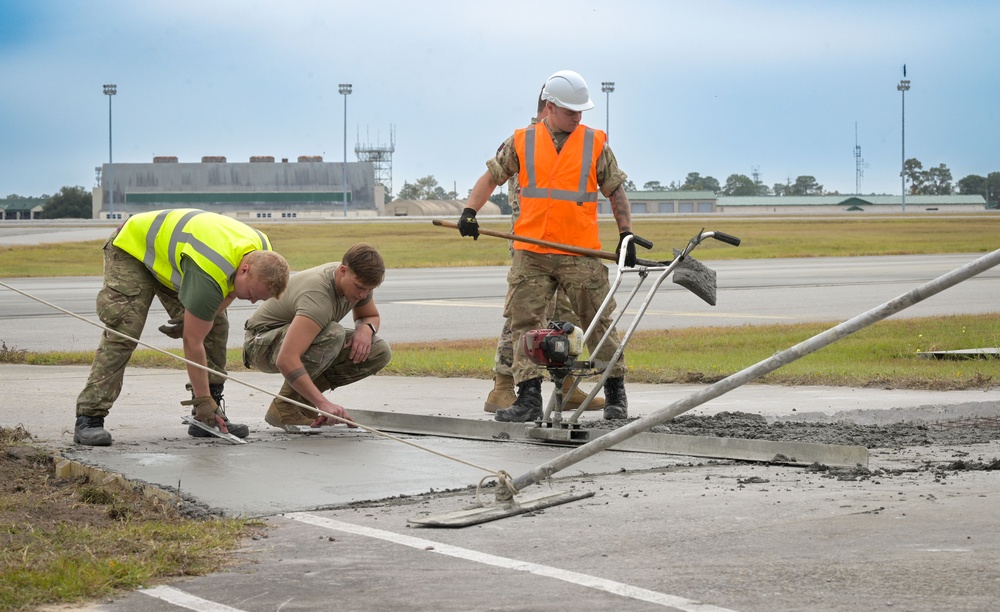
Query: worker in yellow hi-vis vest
{"x":196,"y":263}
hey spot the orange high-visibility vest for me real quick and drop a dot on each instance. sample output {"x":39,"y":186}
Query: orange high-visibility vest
{"x":558,"y":189}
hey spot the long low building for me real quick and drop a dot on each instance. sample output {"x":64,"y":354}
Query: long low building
{"x":258,"y":189}
{"x":21,"y":208}
{"x":675,"y":202}
{"x":851,"y":203}
{"x":311,"y":188}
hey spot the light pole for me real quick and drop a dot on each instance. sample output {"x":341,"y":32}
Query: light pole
{"x":903,"y":87}
{"x":607,"y":87}
{"x":110,"y":89}
{"x":345,"y":90}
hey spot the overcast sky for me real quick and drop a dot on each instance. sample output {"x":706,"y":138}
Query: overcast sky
{"x":714,"y":87}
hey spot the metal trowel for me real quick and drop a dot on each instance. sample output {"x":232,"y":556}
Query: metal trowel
{"x":228,"y":437}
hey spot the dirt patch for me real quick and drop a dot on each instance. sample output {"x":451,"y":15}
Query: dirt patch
{"x":110,"y":536}
{"x":33,"y":495}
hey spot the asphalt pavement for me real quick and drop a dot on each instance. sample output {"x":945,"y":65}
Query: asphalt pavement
{"x":659,"y":530}
{"x":651,"y":530}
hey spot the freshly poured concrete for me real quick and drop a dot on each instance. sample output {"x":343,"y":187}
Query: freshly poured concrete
{"x":307,"y":472}
{"x":280,"y":472}
{"x":704,"y":536}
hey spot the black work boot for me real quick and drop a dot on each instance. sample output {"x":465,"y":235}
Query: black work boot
{"x":527,"y":407}
{"x":237,"y":429}
{"x":90,"y":430}
{"x":615,"y":402}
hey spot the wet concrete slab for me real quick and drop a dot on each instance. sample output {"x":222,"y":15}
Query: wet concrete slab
{"x":294,"y":472}
{"x":659,"y":532}
{"x":279,"y":472}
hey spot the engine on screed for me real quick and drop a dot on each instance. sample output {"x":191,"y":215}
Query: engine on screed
{"x":555,"y":346}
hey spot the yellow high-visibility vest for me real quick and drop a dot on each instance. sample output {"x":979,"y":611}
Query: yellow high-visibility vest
{"x":215,"y":243}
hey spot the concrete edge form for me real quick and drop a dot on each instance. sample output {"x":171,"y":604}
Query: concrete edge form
{"x":70,"y":468}
{"x":791,"y":453}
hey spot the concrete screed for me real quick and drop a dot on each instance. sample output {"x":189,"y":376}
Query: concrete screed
{"x":912,"y":532}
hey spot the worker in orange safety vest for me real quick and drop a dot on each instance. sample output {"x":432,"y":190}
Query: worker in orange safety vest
{"x":560,"y":165}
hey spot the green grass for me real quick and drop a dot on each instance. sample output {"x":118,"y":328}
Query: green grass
{"x":63,"y":541}
{"x":886,"y":354}
{"x":882,"y":355}
{"x":421,"y":245}
{"x":73,"y":562}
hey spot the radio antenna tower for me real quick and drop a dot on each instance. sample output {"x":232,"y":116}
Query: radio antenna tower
{"x":859,"y":169}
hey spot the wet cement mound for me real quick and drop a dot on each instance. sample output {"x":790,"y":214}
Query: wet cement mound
{"x":894,"y":435}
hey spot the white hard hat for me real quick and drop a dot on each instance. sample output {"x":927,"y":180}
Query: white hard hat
{"x":568,"y":90}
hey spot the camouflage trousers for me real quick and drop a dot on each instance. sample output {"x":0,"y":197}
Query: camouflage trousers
{"x":328,"y":357}
{"x":532,"y":283}
{"x":123,"y":305}
{"x":559,"y":310}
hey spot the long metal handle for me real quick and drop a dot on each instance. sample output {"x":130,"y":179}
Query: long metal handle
{"x":759,"y":369}
{"x":555,"y":245}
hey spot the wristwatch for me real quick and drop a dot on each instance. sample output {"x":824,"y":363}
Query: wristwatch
{"x":374,"y":331}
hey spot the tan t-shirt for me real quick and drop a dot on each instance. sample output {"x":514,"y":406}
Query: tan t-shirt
{"x":311,"y":293}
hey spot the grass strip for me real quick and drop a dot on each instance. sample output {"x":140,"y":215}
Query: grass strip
{"x":66,"y":541}
{"x":418,"y":244}
{"x":887,"y":355}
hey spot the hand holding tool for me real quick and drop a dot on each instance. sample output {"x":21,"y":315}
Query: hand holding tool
{"x":467,"y":224}
{"x":689,"y":273}
{"x":629,"y":250}
{"x":205,"y":409}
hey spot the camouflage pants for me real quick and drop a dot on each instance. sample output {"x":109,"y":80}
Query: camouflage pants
{"x":559,"y":310}
{"x":123,"y":305}
{"x":328,"y":356}
{"x":532,"y":284}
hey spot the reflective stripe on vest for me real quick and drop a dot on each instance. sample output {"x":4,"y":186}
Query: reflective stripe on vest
{"x":161,"y":245}
{"x":532,"y":190}
{"x":558,"y":188}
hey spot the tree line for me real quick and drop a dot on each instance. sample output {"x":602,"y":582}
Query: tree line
{"x":69,"y":203}
{"x":931,"y":181}
{"x":75,"y":202}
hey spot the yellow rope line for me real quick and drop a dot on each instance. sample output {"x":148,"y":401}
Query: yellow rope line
{"x":498,"y":473}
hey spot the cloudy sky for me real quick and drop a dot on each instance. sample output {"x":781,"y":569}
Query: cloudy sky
{"x":714,"y":87}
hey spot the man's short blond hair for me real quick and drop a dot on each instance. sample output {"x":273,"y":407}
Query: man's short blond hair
{"x":269,"y":268}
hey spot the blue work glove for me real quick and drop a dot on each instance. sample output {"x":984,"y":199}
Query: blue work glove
{"x":467,"y":224}
{"x":629,"y":252}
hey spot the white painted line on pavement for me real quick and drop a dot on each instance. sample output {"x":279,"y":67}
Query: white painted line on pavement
{"x":593,"y":582}
{"x":186,"y":600}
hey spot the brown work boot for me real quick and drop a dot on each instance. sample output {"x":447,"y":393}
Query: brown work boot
{"x":282,"y":414}
{"x":573,"y":402}
{"x":502,"y":395}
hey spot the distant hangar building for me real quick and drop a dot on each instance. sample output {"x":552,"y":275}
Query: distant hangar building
{"x":704,"y":202}
{"x":261,"y":188}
